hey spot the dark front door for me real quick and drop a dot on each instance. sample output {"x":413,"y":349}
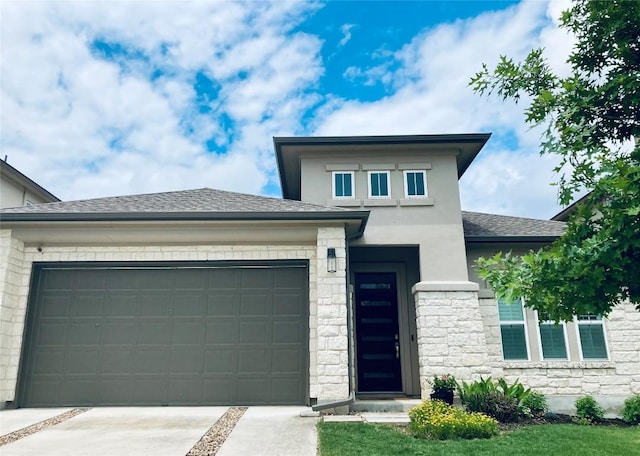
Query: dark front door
{"x":377,"y":338}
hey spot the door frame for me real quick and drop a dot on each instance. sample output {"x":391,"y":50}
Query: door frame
{"x":404,"y":330}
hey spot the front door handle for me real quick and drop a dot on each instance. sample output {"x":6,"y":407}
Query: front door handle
{"x":397,"y":350}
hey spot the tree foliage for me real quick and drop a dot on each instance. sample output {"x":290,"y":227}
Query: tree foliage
{"x":591,"y":119}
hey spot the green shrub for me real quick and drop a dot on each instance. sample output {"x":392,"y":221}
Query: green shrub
{"x":503,"y":408}
{"x":534,"y":404}
{"x":501,"y":401}
{"x":439,"y":421}
{"x":631,"y":410}
{"x":588,"y":409}
{"x":474,"y":395}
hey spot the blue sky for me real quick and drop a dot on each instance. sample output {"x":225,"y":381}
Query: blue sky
{"x":111,"y":98}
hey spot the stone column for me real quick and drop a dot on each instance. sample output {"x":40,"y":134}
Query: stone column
{"x":451,"y":337}
{"x":329,"y":368}
{"x":12,"y":313}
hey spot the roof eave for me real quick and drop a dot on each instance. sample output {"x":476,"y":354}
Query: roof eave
{"x":27,"y":182}
{"x":506,"y":239}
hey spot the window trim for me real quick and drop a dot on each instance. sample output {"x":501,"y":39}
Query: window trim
{"x":333,"y":185}
{"x":600,"y":322}
{"x":564,"y":335}
{"x":522,"y":322}
{"x":385,"y":172}
{"x":406,"y":183}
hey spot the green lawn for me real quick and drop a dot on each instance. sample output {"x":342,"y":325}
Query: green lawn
{"x":353,"y":439}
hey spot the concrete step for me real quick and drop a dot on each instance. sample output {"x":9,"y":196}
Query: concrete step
{"x":384,"y":405}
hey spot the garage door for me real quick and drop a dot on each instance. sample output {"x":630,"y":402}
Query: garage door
{"x":162,"y":335}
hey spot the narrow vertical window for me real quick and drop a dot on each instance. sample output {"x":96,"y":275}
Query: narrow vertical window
{"x":552,"y":338}
{"x":591,"y":335}
{"x":513,"y":330}
{"x":378,"y":184}
{"x":415,"y":184}
{"x":343,"y":184}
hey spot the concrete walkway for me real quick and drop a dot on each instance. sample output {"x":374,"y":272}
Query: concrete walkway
{"x":160,"y":431}
{"x":272,"y":431}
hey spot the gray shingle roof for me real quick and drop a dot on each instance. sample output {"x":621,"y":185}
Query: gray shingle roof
{"x":478,"y":225}
{"x":200,"y":200}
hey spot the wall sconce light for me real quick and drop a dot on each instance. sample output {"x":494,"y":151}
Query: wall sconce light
{"x":331,"y":260}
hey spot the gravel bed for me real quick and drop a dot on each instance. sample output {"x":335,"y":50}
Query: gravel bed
{"x":213,"y":439}
{"x":24,"y":432}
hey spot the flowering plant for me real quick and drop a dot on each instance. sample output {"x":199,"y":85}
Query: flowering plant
{"x":440,"y":383}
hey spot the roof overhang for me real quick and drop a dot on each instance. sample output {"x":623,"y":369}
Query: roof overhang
{"x":184,"y":228}
{"x":289,"y":149}
{"x":509,"y":239}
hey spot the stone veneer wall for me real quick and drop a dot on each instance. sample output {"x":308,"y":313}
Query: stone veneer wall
{"x":451,"y":338}
{"x":610,"y":381}
{"x":327,"y":323}
{"x":331,"y":334}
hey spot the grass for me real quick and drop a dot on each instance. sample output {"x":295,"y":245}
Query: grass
{"x":354,"y":439}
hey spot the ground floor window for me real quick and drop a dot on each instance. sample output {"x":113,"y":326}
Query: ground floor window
{"x":591,"y":335}
{"x":513,"y":329}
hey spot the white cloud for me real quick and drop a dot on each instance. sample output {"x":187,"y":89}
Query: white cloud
{"x":84,"y":126}
{"x":432,"y":96}
{"x":346,"y":34}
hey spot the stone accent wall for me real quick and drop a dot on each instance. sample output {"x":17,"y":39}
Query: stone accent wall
{"x":451,"y":338}
{"x":330,"y":321}
{"x":327,"y":292}
{"x":13,"y":286}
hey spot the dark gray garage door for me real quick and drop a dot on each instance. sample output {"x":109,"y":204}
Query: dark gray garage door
{"x":166,"y":336}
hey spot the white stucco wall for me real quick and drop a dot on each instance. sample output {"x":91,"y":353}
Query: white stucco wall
{"x":328,"y":372}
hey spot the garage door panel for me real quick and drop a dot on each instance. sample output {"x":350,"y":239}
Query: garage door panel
{"x":220,"y":361}
{"x":119,"y":304}
{"x":287,"y":304}
{"x":222,"y":304}
{"x":48,"y":362}
{"x":52,"y":333}
{"x":285,"y":361}
{"x":84,"y":331}
{"x":189,"y":305}
{"x":188,"y":331}
{"x":117,"y":361}
{"x":154,"y":305}
{"x":118,"y":331}
{"x":187,"y":361}
{"x":148,"y":336}
{"x":287,"y":332}
{"x":255,"y":304}
{"x":154,"y":331}
{"x":55,"y":305}
{"x":254,"y":362}
{"x":81,"y":361}
{"x":116,"y":390}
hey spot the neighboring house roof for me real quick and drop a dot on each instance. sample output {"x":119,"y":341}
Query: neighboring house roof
{"x":200,"y":204}
{"x":9,"y":172}
{"x":288,"y":150}
{"x":480,"y":227}
{"x":564,"y":214}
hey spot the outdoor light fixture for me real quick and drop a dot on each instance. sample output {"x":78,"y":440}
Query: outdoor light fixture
{"x":331,"y":260}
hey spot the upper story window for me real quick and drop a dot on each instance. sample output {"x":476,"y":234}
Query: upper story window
{"x":513,"y":329}
{"x":552,"y":338}
{"x":591,"y":335}
{"x":343,"y":184}
{"x":379,"y":184}
{"x":415,"y":184}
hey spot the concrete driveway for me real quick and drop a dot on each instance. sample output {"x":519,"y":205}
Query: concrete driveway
{"x":161,"y":431}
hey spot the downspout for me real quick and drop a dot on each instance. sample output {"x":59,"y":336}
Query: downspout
{"x":351,"y":343}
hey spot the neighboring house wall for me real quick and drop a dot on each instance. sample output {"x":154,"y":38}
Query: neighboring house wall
{"x":16,"y":189}
{"x":432,"y":221}
{"x":328,"y":354}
